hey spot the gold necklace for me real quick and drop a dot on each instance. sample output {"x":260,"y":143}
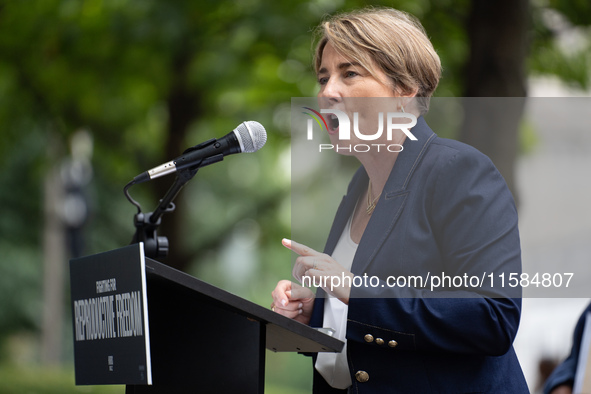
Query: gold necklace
{"x":371,"y":204}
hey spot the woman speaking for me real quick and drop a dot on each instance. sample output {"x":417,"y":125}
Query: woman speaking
{"x":434,"y":208}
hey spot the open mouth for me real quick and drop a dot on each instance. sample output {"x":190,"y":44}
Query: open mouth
{"x":333,"y":123}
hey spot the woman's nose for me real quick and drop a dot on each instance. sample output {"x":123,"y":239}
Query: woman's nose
{"x":331,"y":91}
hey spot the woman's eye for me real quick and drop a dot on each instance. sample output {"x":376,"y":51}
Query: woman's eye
{"x":323,"y":80}
{"x":350,"y":74}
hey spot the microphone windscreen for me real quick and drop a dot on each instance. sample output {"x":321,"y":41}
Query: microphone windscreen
{"x":252,"y":136}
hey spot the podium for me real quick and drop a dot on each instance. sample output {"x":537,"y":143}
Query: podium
{"x":186,"y":336}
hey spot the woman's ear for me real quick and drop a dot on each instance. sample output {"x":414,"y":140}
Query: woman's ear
{"x":410,"y":93}
{"x":402,"y":92}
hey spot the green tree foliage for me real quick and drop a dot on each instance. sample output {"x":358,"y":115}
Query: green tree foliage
{"x":561,"y":43}
{"x":149,"y":78}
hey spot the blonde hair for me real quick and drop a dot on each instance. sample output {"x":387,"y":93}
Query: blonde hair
{"x":392,"y":40}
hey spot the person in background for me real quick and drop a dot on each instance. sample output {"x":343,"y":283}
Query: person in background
{"x":561,"y":380}
{"x":434,"y":207}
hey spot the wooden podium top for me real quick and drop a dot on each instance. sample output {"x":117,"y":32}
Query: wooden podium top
{"x":282,"y":334}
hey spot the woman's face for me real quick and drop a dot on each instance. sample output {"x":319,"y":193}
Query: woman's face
{"x":346,"y":86}
{"x":340,"y":77}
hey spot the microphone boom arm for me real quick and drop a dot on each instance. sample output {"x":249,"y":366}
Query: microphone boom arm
{"x":147,"y":224}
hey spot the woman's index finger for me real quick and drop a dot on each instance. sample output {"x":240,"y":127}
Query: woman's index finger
{"x":299,"y":248}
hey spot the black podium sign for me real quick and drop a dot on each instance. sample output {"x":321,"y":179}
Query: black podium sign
{"x":110,"y":318}
{"x":200,"y":338}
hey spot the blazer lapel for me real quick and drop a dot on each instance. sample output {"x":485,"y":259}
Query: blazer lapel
{"x":393,"y":198}
{"x":345,"y":209}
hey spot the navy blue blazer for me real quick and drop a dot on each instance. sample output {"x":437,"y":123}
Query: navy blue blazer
{"x":445,"y":209}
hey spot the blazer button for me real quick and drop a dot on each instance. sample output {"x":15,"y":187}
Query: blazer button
{"x":379,"y":341}
{"x":361,"y":376}
{"x":392,"y":343}
{"x":368,"y":338}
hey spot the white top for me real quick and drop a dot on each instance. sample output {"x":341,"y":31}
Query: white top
{"x":334,"y":366}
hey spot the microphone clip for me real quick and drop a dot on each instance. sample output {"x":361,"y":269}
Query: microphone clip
{"x":201,"y":145}
{"x":146,"y":224}
{"x":147,"y":232}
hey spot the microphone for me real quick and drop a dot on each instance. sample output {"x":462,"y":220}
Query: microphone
{"x":248,"y":137}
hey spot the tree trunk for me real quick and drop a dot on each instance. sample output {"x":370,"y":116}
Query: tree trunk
{"x":495,"y":73}
{"x":183,"y":107}
{"x":54,"y":261}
